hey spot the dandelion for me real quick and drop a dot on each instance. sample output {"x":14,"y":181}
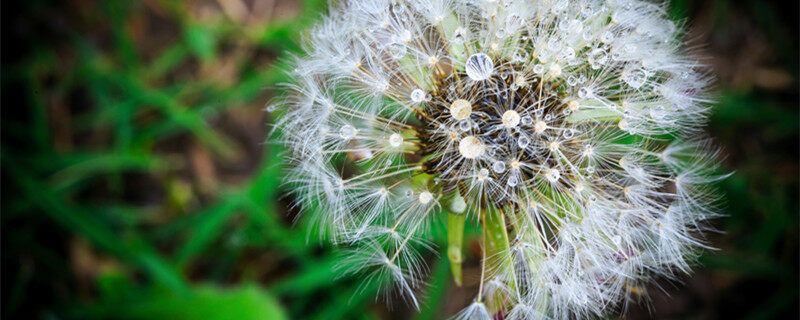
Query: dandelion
{"x":567,"y":131}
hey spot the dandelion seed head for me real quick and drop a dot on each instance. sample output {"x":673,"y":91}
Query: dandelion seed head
{"x":551,"y":114}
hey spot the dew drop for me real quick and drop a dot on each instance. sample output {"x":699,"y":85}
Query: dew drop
{"x":405,"y":36}
{"x":568,"y":53}
{"x":563,"y":25}
{"x":417,"y":95}
{"x":552,"y":175}
{"x":520,"y":56}
{"x":464,"y":125}
{"x":588,"y":35}
{"x":458,"y":205}
{"x":397,"y":50}
{"x":527,"y":120}
{"x":501,"y":33}
{"x":585,"y":92}
{"x":395,"y":140}
{"x":572,"y":81}
{"x":523,"y":142}
{"x":512,"y":181}
{"x":483,"y":173}
{"x":607,"y":36}
{"x":623,"y":125}
{"x":575,"y":26}
{"x":425,"y":197}
{"x":398,"y":9}
{"x":459,"y":35}
{"x":554,"y":44}
{"x":479,"y":67}
{"x":634,"y":77}
{"x":554,"y":70}
{"x":538,"y":68}
{"x":348,"y":132}
{"x":499,"y":166}
{"x":513,"y":21}
{"x":597,"y":58}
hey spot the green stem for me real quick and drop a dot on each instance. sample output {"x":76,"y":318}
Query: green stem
{"x":455,"y":241}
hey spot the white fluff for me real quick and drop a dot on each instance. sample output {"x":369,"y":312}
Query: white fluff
{"x":596,"y":197}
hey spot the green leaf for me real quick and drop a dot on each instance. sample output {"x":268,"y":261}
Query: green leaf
{"x":210,"y":303}
{"x":201,"y":41}
{"x":133,"y":249}
{"x":201,"y":302}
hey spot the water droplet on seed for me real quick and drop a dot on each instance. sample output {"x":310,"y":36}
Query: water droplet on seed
{"x":395,"y":140}
{"x":512,"y":181}
{"x":417,"y":95}
{"x":552,"y":175}
{"x":348,"y":132}
{"x":483,"y":173}
{"x":464,"y":125}
{"x":425,"y":197}
{"x":527,"y":120}
{"x":523,"y":142}
{"x":499,"y":166}
{"x":634,"y":77}
{"x":597,"y":58}
{"x":479,"y":67}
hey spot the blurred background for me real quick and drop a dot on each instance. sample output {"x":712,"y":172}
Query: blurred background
{"x":137,"y":182}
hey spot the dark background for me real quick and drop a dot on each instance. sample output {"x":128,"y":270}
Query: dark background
{"x":136,"y":181}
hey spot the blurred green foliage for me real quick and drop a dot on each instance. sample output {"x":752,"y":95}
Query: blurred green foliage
{"x":137,"y":184}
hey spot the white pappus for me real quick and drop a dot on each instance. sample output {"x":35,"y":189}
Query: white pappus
{"x":566,"y":130}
